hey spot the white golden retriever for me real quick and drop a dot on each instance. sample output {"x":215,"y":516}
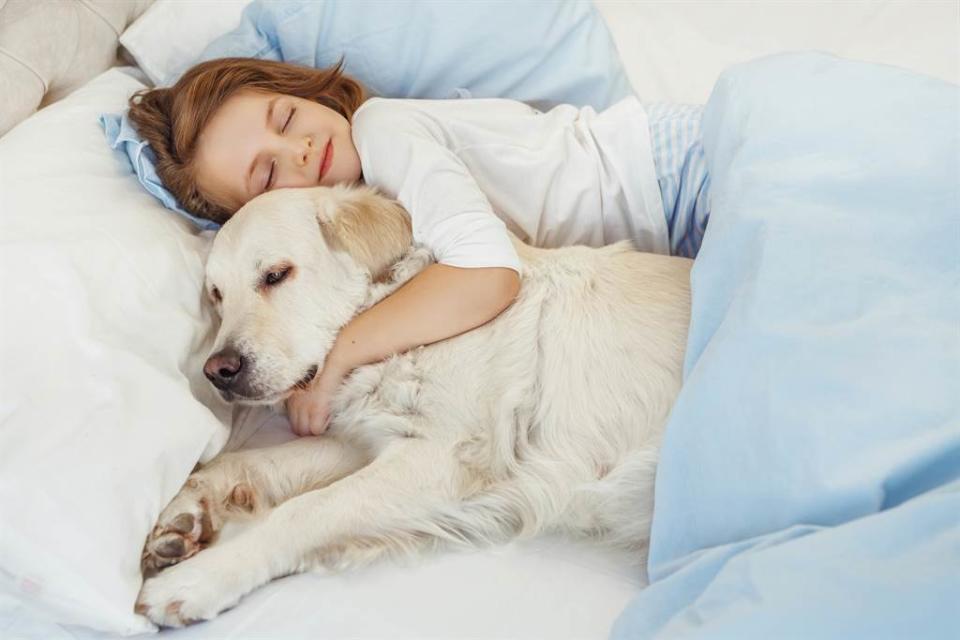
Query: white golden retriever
{"x":547,"y":418}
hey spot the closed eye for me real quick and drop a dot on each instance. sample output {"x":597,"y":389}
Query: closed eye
{"x":273,"y":278}
{"x":273,"y":163}
{"x":289,"y":118}
{"x":270,"y":176}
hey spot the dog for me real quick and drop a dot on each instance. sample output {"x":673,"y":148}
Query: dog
{"x":548,"y":417}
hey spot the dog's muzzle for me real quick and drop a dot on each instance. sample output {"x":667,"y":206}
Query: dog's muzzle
{"x":229,"y":371}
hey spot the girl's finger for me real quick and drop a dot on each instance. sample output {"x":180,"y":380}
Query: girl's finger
{"x":297,"y":421}
{"x":319,"y":423}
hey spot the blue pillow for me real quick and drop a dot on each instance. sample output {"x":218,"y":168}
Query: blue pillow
{"x":545,"y":53}
{"x":123,"y":137}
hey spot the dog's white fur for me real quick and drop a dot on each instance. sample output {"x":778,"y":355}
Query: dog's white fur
{"x":547,"y":418}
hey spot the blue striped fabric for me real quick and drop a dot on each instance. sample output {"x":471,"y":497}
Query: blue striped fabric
{"x":681,"y":172}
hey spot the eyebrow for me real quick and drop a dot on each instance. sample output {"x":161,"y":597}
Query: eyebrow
{"x":270,"y":105}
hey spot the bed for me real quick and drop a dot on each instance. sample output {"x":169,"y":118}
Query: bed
{"x":88,"y":458}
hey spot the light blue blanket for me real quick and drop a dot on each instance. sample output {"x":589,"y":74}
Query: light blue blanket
{"x":809,"y":483}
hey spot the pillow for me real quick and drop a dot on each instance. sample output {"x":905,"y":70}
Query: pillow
{"x":548,"y":52}
{"x":816,"y":440}
{"x":170,"y":35}
{"x":123,"y":136}
{"x":101,"y":335}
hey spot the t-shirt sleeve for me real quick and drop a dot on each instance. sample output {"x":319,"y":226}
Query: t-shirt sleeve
{"x":403,"y":153}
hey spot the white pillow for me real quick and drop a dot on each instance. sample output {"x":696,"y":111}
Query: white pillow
{"x":167,"y":39}
{"x":101,"y":333}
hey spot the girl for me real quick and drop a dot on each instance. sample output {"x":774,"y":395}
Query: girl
{"x":465,"y":170}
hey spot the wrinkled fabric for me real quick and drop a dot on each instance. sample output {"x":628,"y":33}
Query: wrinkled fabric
{"x":123,"y":136}
{"x":544,"y":52}
{"x":681,"y":167}
{"x":808,"y":484}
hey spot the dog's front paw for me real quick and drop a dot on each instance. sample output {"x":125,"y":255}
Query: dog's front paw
{"x":194,"y":517}
{"x":183,"y":529}
{"x":191,"y":591}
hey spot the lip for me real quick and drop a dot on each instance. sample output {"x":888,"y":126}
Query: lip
{"x":327,"y":159}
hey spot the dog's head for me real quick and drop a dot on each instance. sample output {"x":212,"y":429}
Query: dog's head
{"x":285,"y":274}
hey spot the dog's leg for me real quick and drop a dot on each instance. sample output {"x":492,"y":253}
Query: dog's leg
{"x":397,"y":492}
{"x":242,"y":485}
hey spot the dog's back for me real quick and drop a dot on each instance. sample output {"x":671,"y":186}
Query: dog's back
{"x":556,"y":407}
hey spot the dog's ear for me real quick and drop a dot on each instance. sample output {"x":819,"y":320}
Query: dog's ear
{"x":374,"y":230}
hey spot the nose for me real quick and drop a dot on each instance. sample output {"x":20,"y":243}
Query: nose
{"x":223,"y":368}
{"x":303,"y":154}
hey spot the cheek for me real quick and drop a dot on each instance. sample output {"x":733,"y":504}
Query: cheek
{"x":349,"y":170}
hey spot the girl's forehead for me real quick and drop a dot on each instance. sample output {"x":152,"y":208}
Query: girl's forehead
{"x":243,"y":103}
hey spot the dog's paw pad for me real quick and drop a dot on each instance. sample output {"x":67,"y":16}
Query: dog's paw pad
{"x":171,"y":546}
{"x":183,"y":523}
{"x":176,"y":537}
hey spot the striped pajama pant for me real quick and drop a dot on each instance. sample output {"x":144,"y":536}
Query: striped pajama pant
{"x":682,"y":173}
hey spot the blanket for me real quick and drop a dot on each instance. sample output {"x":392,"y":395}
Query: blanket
{"x":809,"y":484}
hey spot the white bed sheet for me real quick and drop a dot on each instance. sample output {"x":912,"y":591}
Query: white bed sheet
{"x":543,"y":589}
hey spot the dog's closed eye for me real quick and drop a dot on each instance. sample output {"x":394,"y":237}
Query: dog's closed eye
{"x":276,"y":276}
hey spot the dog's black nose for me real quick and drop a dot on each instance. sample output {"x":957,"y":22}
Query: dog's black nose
{"x":223,"y":368}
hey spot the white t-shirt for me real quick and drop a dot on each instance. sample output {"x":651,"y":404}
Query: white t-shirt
{"x":467,"y":170}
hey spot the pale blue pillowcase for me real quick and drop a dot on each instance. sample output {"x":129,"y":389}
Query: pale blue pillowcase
{"x":540,"y":52}
{"x":123,"y":137}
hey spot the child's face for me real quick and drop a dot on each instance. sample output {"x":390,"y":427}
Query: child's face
{"x":257,"y":141}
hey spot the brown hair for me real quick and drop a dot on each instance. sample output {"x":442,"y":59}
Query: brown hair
{"x":171,"y":119}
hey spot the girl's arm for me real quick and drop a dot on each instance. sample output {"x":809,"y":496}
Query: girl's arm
{"x":438,"y":303}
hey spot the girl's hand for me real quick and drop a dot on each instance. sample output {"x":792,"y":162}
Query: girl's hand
{"x":309,"y":410}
